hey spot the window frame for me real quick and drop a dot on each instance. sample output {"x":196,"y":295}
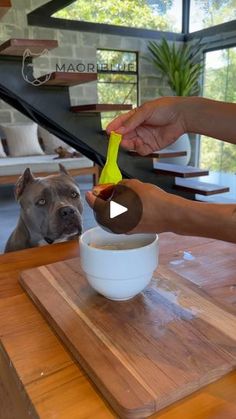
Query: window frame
{"x":132,"y":73}
{"x":42,"y":16}
{"x":205,"y":51}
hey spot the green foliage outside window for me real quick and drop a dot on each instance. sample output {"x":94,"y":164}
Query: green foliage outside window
{"x":219,"y":84}
{"x":114,"y":85}
{"x":207,"y":13}
{"x":148,"y":14}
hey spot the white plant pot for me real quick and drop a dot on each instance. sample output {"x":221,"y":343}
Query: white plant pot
{"x":182,"y":144}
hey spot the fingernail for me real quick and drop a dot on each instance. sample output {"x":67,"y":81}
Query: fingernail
{"x":121,"y":130}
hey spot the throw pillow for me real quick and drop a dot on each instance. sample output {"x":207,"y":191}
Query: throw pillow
{"x":22,"y":139}
{"x":51,"y":142}
{"x":2,"y":152}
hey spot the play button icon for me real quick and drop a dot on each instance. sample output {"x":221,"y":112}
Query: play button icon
{"x":116,"y":209}
{"x":121,"y":211}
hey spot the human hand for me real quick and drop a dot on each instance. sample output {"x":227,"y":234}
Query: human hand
{"x":162,"y":211}
{"x":154,"y":204}
{"x":152,"y":126}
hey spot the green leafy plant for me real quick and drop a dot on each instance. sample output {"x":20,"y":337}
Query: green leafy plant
{"x":179,"y":65}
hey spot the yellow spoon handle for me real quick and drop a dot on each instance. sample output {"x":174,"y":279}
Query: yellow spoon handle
{"x":113,"y":147}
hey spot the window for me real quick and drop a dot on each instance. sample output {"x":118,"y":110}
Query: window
{"x":164,"y":15}
{"x":117,"y":79}
{"x":206,"y":13}
{"x":219,"y":84}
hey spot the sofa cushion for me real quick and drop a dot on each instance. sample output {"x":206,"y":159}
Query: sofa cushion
{"x":51,"y":142}
{"x":46,"y":163}
{"x":2,"y":152}
{"x":22,"y":139}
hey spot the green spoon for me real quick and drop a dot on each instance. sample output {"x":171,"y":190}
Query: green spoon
{"x":111,"y":172}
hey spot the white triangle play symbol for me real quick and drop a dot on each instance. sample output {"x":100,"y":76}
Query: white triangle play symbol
{"x":116,"y":209}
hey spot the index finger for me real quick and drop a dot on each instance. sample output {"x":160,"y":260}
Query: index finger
{"x":118,"y":121}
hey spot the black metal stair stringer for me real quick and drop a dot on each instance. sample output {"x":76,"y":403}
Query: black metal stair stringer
{"x":43,"y":121}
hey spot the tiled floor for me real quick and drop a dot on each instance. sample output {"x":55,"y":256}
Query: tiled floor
{"x":9,"y":210}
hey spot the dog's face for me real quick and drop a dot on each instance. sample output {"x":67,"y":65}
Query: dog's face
{"x":50,"y":207}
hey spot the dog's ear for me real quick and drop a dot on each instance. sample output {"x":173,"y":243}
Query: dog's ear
{"x":21,"y":183}
{"x":63,"y":170}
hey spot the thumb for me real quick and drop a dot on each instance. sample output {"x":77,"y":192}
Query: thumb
{"x":101,"y":209}
{"x":97,"y":204}
{"x":90,"y":198}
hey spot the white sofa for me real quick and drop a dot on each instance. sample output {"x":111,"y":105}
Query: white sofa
{"x":11,"y":167}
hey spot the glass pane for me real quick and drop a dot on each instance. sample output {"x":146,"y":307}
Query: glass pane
{"x":116,"y":88}
{"x":206,"y":13}
{"x":108,"y":117}
{"x":114,"y":91}
{"x":219,"y":84}
{"x":116,"y":61}
{"x":116,"y":78}
{"x":165,"y":15}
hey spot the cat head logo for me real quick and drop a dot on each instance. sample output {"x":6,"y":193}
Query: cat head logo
{"x":27,"y":68}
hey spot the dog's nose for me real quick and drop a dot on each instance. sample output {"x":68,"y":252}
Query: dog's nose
{"x":66,"y":212}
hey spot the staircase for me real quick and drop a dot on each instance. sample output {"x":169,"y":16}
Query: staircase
{"x":182,"y":175}
{"x":48,"y":103}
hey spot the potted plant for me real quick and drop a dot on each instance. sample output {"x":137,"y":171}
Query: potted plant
{"x":181,"y":67}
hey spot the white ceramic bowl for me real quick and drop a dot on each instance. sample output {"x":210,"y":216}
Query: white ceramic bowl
{"x":118,"y":274}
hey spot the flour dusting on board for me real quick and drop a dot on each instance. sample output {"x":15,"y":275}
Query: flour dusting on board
{"x":183,"y":255}
{"x":188,"y":256}
{"x":174,"y":298}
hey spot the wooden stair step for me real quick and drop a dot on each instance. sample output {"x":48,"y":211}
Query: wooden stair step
{"x":17,"y":47}
{"x":101,"y":107}
{"x":219,"y":199}
{"x":5,"y":5}
{"x":60,"y":78}
{"x":198,"y":187}
{"x":160,"y":154}
{"x":178,"y":170}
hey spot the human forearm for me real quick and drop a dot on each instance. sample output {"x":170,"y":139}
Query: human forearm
{"x":210,"y":117}
{"x":191,"y":218}
{"x":164,"y":212}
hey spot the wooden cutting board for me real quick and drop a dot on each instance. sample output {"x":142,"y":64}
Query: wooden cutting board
{"x":142,"y":354}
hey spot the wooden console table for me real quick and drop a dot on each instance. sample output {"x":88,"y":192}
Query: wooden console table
{"x":38,"y":377}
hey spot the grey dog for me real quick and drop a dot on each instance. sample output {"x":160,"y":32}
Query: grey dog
{"x":51,"y":210}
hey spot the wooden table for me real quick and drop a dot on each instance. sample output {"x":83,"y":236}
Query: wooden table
{"x":38,"y":377}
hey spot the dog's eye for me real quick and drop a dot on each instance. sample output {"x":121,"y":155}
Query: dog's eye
{"x":41,"y":202}
{"x":74,"y":194}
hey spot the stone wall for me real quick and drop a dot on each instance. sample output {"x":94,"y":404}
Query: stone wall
{"x":74,"y":47}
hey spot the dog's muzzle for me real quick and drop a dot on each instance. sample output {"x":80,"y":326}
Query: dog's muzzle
{"x":66,"y":213}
